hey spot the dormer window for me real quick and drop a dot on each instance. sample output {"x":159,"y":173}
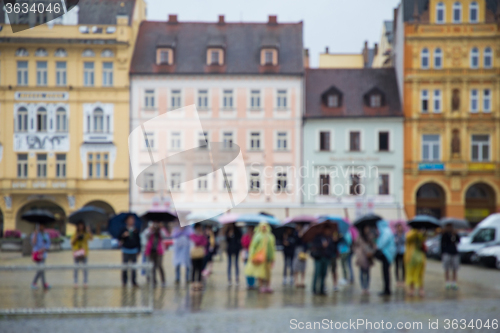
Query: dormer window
{"x":332,"y":98}
{"x":215,"y":57}
{"x":269,"y":57}
{"x":374,"y":98}
{"x":333,"y":101}
{"x":375,"y":101}
{"x":164,"y":56}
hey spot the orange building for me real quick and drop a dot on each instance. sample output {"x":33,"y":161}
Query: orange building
{"x":448,"y":62}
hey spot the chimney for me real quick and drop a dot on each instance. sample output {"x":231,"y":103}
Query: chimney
{"x":395,"y":21}
{"x":375,"y":49}
{"x":221,"y":19}
{"x":306,"y":58}
{"x":273,"y":19}
{"x":365,"y":54}
{"x":172,"y":18}
{"x":327,"y":50}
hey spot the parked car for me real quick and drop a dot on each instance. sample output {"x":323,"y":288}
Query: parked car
{"x":486,"y":233}
{"x":489,"y":256}
{"x":433,"y":245}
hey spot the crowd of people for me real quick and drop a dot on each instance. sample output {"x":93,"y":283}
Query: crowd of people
{"x":194,"y":248}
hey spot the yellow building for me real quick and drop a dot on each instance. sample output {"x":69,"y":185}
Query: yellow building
{"x":348,"y":60}
{"x":451,"y":75}
{"x":64,"y":105}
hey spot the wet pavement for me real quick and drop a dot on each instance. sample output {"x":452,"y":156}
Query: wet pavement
{"x":221,"y":308}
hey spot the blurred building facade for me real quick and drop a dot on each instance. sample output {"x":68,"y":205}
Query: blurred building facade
{"x":365,"y":59}
{"x":448,"y":61}
{"x":64,"y":99}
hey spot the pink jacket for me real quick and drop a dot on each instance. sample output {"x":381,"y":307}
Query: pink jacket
{"x":199,"y":240}
{"x":160,"y":248}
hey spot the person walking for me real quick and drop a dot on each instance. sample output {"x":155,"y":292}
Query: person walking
{"x":182,"y":257}
{"x":197,"y":256}
{"x":40,"y":243}
{"x":80,"y":248}
{"x":233,"y":241}
{"x":155,"y":249}
{"x":261,"y":257}
{"x":300,"y":258}
{"x":415,"y":260}
{"x":130,"y":241}
{"x":209,"y":251}
{"x":364,"y":251}
{"x":386,"y":251}
{"x":345,"y":253}
{"x":336,"y":238}
{"x":449,"y":255}
{"x":246,"y":240}
{"x":322,"y":252}
{"x":289,"y":240}
{"x":400,"y":239}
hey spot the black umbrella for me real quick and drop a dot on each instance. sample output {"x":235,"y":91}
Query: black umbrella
{"x":319,"y":228}
{"x":457,"y":223}
{"x":38,"y":216}
{"x":159,"y":214}
{"x":424,"y":222}
{"x":90,"y":215}
{"x":280,"y":231}
{"x":367,"y":220}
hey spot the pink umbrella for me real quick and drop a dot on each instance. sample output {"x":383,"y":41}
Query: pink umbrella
{"x":394,"y":223}
{"x":354,"y":233}
{"x":301,"y":219}
{"x":228,"y":218}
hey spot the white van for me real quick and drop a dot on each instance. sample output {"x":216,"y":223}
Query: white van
{"x":486,"y":233}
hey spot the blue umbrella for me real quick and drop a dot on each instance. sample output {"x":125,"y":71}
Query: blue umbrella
{"x":257,"y":218}
{"x":342,"y":225}
{"x":90,"y":215}
{"x":117,"y":224}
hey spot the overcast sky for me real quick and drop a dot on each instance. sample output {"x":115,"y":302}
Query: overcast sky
{"x":342,"y":25}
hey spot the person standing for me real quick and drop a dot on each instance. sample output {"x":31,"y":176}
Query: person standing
{"x":155,"y":235}
{"x":336,"y":238}
{"x":321,"y":251}
{"x":130,"y":241}
{"x":246,"y":240}
{"x":209,"y":251}
{"x":450,"y":256}
{"x":345,"y":252}
{"x":261,"y":257}
{"x":400,"y":240}
{"x":197,"y":256}
{"x":299,"y":263}
{"x":182,"y":245}
{"x":289,"y":243}
{"x":40,"y":243}
{"x":415,"y":260}
{"x":365,"y":250}
{"x":233,"y":241}
{"x":80,"y":247}
{"x":386,"y":251}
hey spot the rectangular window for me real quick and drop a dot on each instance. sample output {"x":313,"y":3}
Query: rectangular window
{"x":88,"y":74}
{"x":254,"y":182}
{"x":61,"y":121}
{"x":333,"y":101}
{"x":203,"y":99}
{"x":383,"y":184}
{"x":424,"y":100}
{"x":98,"y":165}
{"x":105,"y":165}
{"x":480,"y":148}
{"x":227,"y":140}
{"x":202,"y":182}
{"x":473,"y":13}
{"x":437,"y":100}
{"x":175,"y":141}
{"x":175,"y":99}
{"x":149,"y":99}
{"x":268,"y":57}
{"x":355,"y":188}
{"x":215,"y":57}
{"x":354,"y":141}
{"x":474,"y":100}
{"x":22,"y":120}
{"x":61,"y":73}
{"x":41,"y":73}
{"x":281,"y":181}
{"x":375,"y":101}
{"x":149,"y":182}
{"x":22,"y":165}
{"x":60,"y":165}
{"x":486,"y":100}
{"x":203,"y":140}
{"x":22,"y":73}
{"x":107,"y":74}
{"x":430,"y":147}
{"x":164,"y":57}
{"x":149,"y":140}
{"x":227,"y":99}
{"x":282,"y":141}
{"x":175,"y":181}
{"x":324,"y":141}
{"x":41,"y":165}
{"x":281,"y":100}
{"x":383,"y":141}
{"x":440,"y":15}
{"x":255,"y":99}
{"x":324,"y":184}
{"x":255,"y":141}
{"x":227,"y":182}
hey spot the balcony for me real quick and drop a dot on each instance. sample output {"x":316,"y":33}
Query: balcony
{"x":41,"y":141}
{"x":98,"y":137}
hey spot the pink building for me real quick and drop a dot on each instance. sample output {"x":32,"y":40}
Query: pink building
{"x":244,"y":82}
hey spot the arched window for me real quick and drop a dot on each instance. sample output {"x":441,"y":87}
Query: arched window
{"x":107,"y":53}
{"x":88,"y":53}
{"x":41,"y":52}
{"x":474,"y":58}
{"x":61,"y":120}
{"x":425,"y":58}
{"x":22,"y":119}
{"x":41,"y":119}
{"x":488,"y":57}
{"x":22,"y":52}
{"x":438,"y":58}
{"x":61,"y":53}
{"x":473,"y":12}
{"x":98,"y":118}
{"x":457,"y":12}
{"x":440,"y":12}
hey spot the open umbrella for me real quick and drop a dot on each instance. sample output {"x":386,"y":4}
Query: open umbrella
{"x":279,"y":231}
{"x":117,"y":223}
{"x":367,"y":220}
{"x":342,"y":225}
{"x":457,"y":223}
{"x":301,"y":219}
{"x":254,"y":219}
{"x":228,"y":218}
{"x":160,"y":214}
{"x":38,"y":216}
{"x":424,"y":222}
{"x":90,"y":215}
{"x":319,"y":228}
{"x":205,"y":218}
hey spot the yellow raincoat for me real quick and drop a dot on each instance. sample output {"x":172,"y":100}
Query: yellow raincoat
{"x":415,"y":258}
{"x":262,"y":237}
